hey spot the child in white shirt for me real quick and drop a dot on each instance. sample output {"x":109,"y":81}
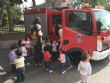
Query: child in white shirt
{"x":54,"y":51}
{"x":27,"y":42}
{"x":84,"y":67}
{"x":28,"y":48}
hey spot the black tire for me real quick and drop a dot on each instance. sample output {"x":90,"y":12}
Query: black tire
{"x":75,"y":57}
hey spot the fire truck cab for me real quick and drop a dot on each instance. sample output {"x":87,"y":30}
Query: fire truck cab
{"x":84,"y":30}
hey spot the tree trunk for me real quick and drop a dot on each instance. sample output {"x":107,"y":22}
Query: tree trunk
{"x":10,"y":16}
{"x":34,"y":2}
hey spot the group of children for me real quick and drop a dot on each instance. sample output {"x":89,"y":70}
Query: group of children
{"x":43,"y":54}
{"x":17,"y":62}
{"x":50,"y":52}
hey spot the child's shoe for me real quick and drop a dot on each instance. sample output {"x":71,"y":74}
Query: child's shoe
{"x":63,"y":72}
{"x":50,"y":71}
{"x":69,"y":67}
{"x":81,"y":82}
{"x":28,"y":64}
{"x":36,"y":64}
{"x":40,"y":64}
{"x":46,"y":69}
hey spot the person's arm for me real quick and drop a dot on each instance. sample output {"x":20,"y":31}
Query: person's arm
{"x":32,"y":44}
{"x":89,"y":69}
{"x":31,"y":27}
{"x":79,"y":66}
{"x":49,"y":55}
{"x":12,"y":58}
{"x":59,"y":58}
{"x":15,"y":61}
{"x":24,"y":50}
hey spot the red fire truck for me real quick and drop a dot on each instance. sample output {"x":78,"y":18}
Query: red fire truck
{"x":84,"y":30}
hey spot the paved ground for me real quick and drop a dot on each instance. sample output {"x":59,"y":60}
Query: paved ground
{"x":35,"y":74}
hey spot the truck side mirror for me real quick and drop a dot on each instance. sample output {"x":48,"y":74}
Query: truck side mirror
{"x":98,"y":24}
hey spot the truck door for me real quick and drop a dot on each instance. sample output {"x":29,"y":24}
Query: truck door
{"x":54,"y":20}
{"x":78,"y":30}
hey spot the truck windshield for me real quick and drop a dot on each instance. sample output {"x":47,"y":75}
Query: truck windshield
{"x":79,"y":20}
{"x":103,"y":17}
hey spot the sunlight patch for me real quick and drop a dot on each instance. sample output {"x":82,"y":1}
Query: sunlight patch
{"x":1,"y":68}
{"x":9,"y":81}
{"x":2,"y":73}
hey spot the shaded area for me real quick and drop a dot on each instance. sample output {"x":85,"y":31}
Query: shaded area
{"x":1,"y":16}
{"x":97,"y":66}
{"x":12,"y":36}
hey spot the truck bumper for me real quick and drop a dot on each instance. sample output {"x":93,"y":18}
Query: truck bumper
{"x":100,"y":55}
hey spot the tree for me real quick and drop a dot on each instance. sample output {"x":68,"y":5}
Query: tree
{"x":34,"y":3}
{"x":10,"y":18}
{"x":9,"y":4}
{"x":51,"y":1}
{"x":100,"y":2}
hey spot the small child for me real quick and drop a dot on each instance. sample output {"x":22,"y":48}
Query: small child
{"x":84,"y":67}
{"x":28,"y":48}
{"x":43,"y":44}
{"x":24,"y":51}
{"x":28,"y":44}
{"x":49,"y":44}
{"x":20,"y":66}
{"x":12,"y":57}
{"x":68,"y":62}
{"x":54,"y":51}
{"x":62,"y":59}
{"x":47,"y":62}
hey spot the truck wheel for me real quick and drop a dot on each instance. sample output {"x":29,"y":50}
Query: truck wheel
{"x":75,"y":57}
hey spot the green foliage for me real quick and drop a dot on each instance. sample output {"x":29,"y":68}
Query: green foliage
{"x":18,"y":2}
{"x":16,"y":11}
{"x":12,"y":2}
{"x":51,"y":1}
{"x":0,"y":5}
{"x":16,"y":14}
{"x":5,"y":18}
{"x":48,"y":1}
{"x":102,"y":2}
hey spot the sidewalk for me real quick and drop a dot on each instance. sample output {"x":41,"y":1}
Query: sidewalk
{"x":9,"y":39}
{"x":11,"y":36}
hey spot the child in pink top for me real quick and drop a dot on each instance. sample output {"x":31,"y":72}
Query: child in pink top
{"x":63,"y":61}
{"x":28,"y":48}
{"x":28,"y":44}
